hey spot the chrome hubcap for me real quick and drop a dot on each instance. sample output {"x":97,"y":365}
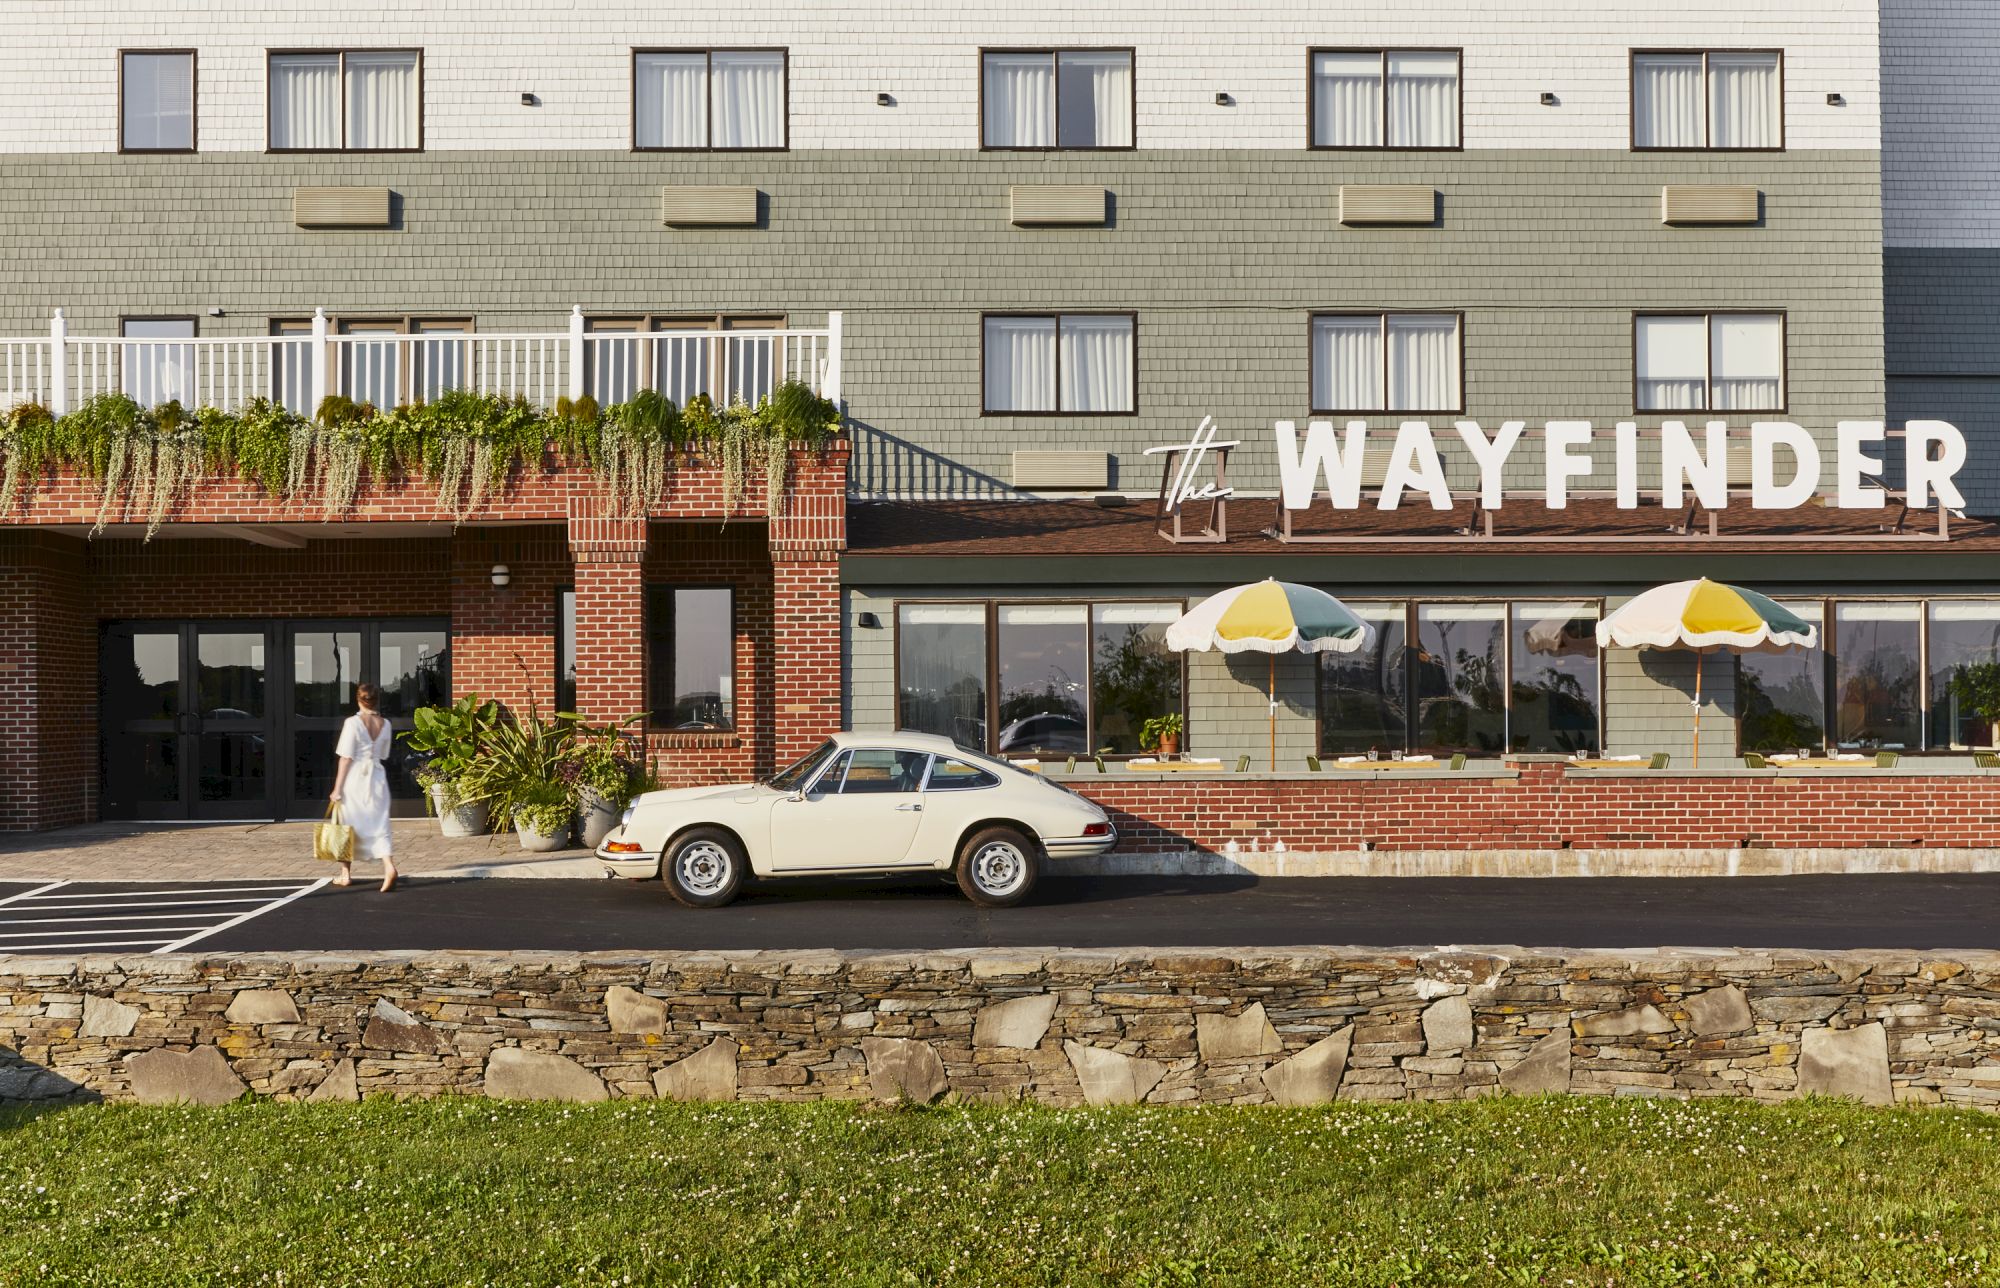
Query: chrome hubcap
{"x":999,"y":868}
{"x":703,"y":867}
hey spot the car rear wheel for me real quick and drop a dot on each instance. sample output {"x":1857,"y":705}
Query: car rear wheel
{"x":703,"y":868}
{"x":997,"y":867}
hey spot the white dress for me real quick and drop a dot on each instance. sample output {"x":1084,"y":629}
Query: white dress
{"x":364,"y":804}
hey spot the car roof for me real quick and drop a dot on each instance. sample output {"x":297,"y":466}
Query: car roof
{"x":904,"y":741}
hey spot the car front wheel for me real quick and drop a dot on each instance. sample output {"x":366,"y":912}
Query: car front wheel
{"x":703,"y":868}
{"x":997,"y":867}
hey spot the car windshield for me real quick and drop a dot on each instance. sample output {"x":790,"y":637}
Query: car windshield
{"x":796,"y":775}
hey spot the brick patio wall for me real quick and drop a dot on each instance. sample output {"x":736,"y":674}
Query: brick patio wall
{"x":48,"y":683}
{"x":1063,"y":1027}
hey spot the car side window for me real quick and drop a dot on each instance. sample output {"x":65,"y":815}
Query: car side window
{"x":878,"y":772}
{"x":957,"y":776}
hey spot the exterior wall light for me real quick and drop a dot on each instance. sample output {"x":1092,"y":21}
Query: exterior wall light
{"x":1223,"y":100}
{"x":528,"y":100}
{"x":1835,"y":100}
{"x":868,"y":622}
{"x":1548,"y":99}
{"x":501,"y":576}
{"x":885,"y":100}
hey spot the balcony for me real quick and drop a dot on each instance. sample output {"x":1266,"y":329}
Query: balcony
{"x":297,"y":368}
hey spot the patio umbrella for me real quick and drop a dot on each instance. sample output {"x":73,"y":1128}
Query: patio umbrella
{"x":1703,"y":615}
{"x":1270,"y":617}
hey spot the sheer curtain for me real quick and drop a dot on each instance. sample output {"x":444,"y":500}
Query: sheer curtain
{"x":671,"y":107}
{"x":749,"y":95}
{"x":159,"y":101}
{"x":1347,"y":100}
{"x":1667,"y":101}
{"x":1347,"y":363}
{"x":305,"y":101}
{"x":1094,"y":100}
{"x":1671,"y":361}
{"x":1020,"y":364}
{"x":1423,"y":100}
{"x":1096,"y":364}
{"x":1746,"y":362}
{"x":1743,"y":101}
{"x":1020,"y":101}
{"x":381,"y":100}
{"x":1423,"y":363}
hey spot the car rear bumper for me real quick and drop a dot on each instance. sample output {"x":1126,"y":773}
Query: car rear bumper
{"x":1079,"y":847}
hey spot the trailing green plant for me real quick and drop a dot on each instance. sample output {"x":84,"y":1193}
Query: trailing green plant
{"x":635,"y":446}
{"x":545,"y":808}
{"x":604,"y":760}
{"x":32,"y":444}
{"x":469,"y":444}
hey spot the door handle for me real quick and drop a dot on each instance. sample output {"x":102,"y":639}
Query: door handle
{"x":912,"y":809}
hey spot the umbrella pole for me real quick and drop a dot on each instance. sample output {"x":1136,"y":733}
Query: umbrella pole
{"x":1272,"y":681}
{"x":1698,"y":655}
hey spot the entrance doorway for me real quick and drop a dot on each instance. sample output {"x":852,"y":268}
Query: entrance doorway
{"x":238,"y":720}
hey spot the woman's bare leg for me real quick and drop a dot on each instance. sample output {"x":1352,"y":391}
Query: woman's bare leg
{"x":346,"y":876}
{"x":388,"y":873}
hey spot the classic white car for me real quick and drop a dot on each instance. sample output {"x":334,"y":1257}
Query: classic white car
{"x":861,"y":803}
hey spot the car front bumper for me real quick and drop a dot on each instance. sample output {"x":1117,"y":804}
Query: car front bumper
{"x":633,"y":865}
{"x":1079,"y":847}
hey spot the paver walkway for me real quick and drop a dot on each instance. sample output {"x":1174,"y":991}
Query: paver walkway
{"x":228,"y":851}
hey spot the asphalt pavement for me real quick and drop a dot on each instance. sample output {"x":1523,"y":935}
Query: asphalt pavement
{"x":1817,"y":912}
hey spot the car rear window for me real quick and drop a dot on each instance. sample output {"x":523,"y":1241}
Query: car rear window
{"x":957,"y":776}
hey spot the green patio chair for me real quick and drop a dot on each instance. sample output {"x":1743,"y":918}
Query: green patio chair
{"x":1069,"y":766}
{"x":1661,"y":760}
{"x":1458,"y":760}
{"x":1100,"y":764}
{"x":1986,"y":760}
{"x":1243,"y":764}
{"x":1887,"y":759}
{"x":1312,"y":763}
{"x":1751,"y":760}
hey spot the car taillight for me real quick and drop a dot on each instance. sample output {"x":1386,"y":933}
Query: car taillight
{"x":1097,"y":829}
{"x":622,"y":847}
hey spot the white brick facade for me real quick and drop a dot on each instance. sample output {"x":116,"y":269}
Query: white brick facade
{"x":59,"y":85}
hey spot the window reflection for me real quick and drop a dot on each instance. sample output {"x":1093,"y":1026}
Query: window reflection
{"x":1361,"y":695}
{"x":1456,"y":677}
{"x":1553,"y":690}
{"x":1134,"y":676}
{"x":1782,"y":694}
{"x":1876,"y":699}
{"x":1964,"y":634}
{"x":1043,"y":665}
{"x":691,"y":648}
{"x":941,"y":671}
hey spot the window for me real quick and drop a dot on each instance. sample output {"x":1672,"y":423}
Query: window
{"x":384,"y":362}
{"x":691,"y":657}
{"x":1074,"y":363}
{"x":1362,"y":696}
{"x":1781,"y":695}
{"x":1064,"y":678}
{"x":156,"y":101}
{"x":957,"y":776}
{"x":157,"y":373}
{"x":350,"y":101}
{"x":1374,"y":98}
{"x":1963,"y":633}
{"x":566,"y":648}
{"x":682,"y":356}
{"x":1038,"y":99}
{"x":1552,"y":702}
{"x":876,"y":772}
{"x":1709,"y":361}
{"x":1719,"y":100}
{"x":702,"y":99}
{"x":1365,"y":362}
{"x":1877,"y":699}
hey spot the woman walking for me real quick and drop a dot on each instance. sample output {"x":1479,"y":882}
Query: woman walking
{"x":361,"y":787}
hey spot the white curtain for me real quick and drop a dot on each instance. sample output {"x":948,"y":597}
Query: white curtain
{"x":305,"y":101}
{"x":382,"y":109}
{"x":1094,"y":100}
{"x":159,"y":101}
{"x":1423,"y":363}
{"x":1746,"y":362}
{"x":1347,"y":100}
{"x":155,"y":373}
{"x":1096,"y":364}
{"x":749,"y":100}
{"x":1743,"y":101}
{"x":1020,"y":364}
{"x":1347,"y":363}
{"x":1020,"y":101}
{"x":1667,"y":101}
{"x":1423,"y":100}
{"x":1672,"y":363}
{"x":671,"y":108}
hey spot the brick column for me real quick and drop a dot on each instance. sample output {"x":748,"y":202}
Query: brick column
{"x":48,"y":683}
{"x":806,"y":542}
{"x":610,"y":559}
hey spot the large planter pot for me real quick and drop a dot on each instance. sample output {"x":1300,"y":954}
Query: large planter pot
{"x":540,"y":842}
{"x":469,"y":819}
{"x":595,"y":817}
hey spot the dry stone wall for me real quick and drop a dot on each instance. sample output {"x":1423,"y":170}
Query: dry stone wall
{"x":1064,"y":1027}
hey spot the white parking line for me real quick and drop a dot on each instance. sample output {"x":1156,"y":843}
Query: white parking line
{"x":128,"y":920}
{"x":64,"y":934}
{"x":38,"y":890}
{"x":237,"y":921}
{"x":154,"y":894}
{"x":155,"y":903}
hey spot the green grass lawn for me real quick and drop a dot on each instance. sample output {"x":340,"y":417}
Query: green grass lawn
{"x":1584,"y":1191}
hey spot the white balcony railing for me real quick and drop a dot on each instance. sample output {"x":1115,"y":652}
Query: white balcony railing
{"x":62,"y":371}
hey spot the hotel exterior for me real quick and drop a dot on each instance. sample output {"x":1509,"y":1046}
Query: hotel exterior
{"x":1021,"y":248}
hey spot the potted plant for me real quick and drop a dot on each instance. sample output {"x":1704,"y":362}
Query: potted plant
{"x":542,"y":815}
{"x":1977,"y":688}
{"x":1162,"y":734}
{"x":601,"y":772}
{"x":446,"y":742}
{"x":519,"y":771}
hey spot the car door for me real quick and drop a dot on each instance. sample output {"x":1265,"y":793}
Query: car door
{"x":862,"y":812}
{"x":957,"y":794}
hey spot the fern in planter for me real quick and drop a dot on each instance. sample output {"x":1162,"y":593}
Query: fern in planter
{"x":31,"y":444}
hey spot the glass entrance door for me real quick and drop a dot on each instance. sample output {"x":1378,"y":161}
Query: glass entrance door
{"x":231,"y":725}
{"x":143,"y":716}
{"x":408,"y":659}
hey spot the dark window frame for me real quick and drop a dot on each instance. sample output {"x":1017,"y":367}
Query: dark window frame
{"x":1312,"y":98}
{"x":566,"y":590}
{"x":646,"y":599}
{"x":1055,"y":53}
{"x":1632,"y":57}
{"x":1708,"y":361}
{"x":342,"y":53}
{"x":1383,"y":316}
{"x":194,"y":104}
{"x":406,"y":324}
{"x":1056,"y":317}
{"x":708,"y":81}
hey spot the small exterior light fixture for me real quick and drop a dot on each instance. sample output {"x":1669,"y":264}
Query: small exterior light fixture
{"x":868,"y":622}
{"x":215,"y":310}
{"x":1223,"y":100}
{"x":528,"y":100}
{"x":1548,"y":99}
{"x":501,"y":576}
{"x":885,"y":100}
{"x":1835,"y":100}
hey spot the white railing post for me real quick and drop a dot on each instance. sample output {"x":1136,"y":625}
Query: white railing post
{"x":58,"y":367}
{"x":318,"y":363}
{"x":575,"y":352}
{"x":831,"y":392}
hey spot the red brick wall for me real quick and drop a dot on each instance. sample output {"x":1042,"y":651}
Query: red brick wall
{"x":708,"y":554}
{"x":1549,"y":808}
{"x":503,"y":641}
{"x":172,"y":578}
{"x":806,"y":679}
{"x":48,"y":683}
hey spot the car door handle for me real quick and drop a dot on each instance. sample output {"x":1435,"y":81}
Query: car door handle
{"x":914,"y":809}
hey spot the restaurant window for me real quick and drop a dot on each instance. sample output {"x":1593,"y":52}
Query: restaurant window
{"x":1078,"y":363}
{"x":349,"y":101}
{"x":156,"y":100}
{"x":1720,"y":100}
{"x":1362,"y":703}
{"x":1457,"y":677}
{"x":1877,"y":696}
{"x":703,"y":99}
{"x":728,"y":358}
{"x":691,"y":657}
{"x":1364,"y":362}
{"x":1781,"y":694}
{"x":1373,"y":98}
{"x":157,"y":373}
{"x":1553,"y":690}
{"x":1039,"y":99}
{"x":941,"y":671}
{"x":1709,"y":361}
{"x":1963,"y":634}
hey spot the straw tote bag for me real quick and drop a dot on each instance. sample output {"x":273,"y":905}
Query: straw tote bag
{"x":333,"y":840}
